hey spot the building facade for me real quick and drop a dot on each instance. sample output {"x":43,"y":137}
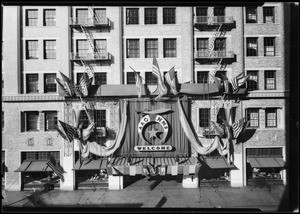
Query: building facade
{"x":200,"y":41}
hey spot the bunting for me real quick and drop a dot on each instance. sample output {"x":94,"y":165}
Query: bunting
{"x":239,"y":80}
{"x":56,"y":167}
{"x":162,"y":89}
{"x":171,"y":80}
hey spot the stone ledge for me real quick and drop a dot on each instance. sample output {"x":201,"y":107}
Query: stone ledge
{"x":29,"y":97}
{"x":269,"y":94}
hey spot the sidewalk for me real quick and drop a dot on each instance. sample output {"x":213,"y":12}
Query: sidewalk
{"x":157,"y":194}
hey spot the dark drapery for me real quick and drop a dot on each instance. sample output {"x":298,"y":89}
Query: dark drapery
{"x":176,"y":136}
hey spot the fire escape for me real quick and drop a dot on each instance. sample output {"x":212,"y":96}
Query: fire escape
{"x":96,"y":56}
{"x":219,"y":24}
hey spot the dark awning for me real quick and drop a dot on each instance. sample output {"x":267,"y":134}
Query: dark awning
{"x":266,"y":162}
{"x":215,"y":163}
{"x":91,"y":164}
{"x":34,"y":166}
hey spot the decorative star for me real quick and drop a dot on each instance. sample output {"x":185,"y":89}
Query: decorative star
{"x":153,"y":133}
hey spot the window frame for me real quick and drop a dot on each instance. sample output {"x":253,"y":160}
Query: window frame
{"x":84,"y":19}
{"x":150,"y":16}
{"x":199,"y":11}
{"x":271,"y":122}
{"x":32,"y":46}
{"x":253,"y":79}
{"x":271,"y":14}
{"x":271,"y":41}
{"x":48,"y":89}
{"x":130,"y":78}
{"x":32,"y":85}
{"x":51,"y":19}
{"x":267,"y":85}
{"x":132,"y":19}
{"x":249,"y":50}
{"x":168,"y":16}
{"x":249,"y":13}
{"x":254,"y":119}
{"x":204,"y":117}
{"x":55,"y":119}
{"x":28,"y":21}
{"x":32,"y":116}
{"x":151,"y":48}
{"x":150,"y":78}
{"x":82,"y":49}
{"x":203,"y":80}
{"x":133,"y":48}
{"x":169,"y":51}
{"x":50,"y":49}
{"x":100,"y":78}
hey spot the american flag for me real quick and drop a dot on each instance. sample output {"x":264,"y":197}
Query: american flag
{"x":162,"y":89}
{"x":239,"y":80}
{"x":84,"y":85}
{"x":69,"y":130}
{"x":56,"y":167}
{"x":62,"y":86}
{"x":138,"y":82}
{"x":171,"y":79}
{"x":60,"y":132}
{"x":228,"y":129}
{"x":238,"y":127}
{"x":69,"y":85}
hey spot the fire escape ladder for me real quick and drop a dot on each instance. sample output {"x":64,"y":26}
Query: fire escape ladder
{"x":212,"y":43}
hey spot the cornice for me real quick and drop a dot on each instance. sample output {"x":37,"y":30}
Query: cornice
{"x":262,"y":94}
{"x":30,"y":97}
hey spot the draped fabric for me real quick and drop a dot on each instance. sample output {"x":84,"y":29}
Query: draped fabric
{"x":95,"y":148}
{"x":176,"y":137}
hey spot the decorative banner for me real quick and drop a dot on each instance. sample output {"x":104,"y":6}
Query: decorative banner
{"x":156,"y":148}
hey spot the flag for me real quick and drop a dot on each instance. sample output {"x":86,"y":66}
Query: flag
{"x":228,"y":130}
{"x":138,"y":83}
{"x":216,"y":80}
{"x":60,"y":132}
{"x":162,"y":89}
{"x":171,"y":80}
{"x":56,"y":167}
{"x":68,"y":84}
{"x":239,"y":127}
{"x":217,"y":128}
{"x":78,"y":91}
{"x":84,"y":85}
{"x":70,"y":131}
{"x":239,"y":80}
{"x":62,"y":86}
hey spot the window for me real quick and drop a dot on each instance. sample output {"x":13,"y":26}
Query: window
{"x":100,"y":78}
{"x":251,"y":46}
{"x":133,"y":48}
{"x":131,"y":77}
{"x":201,"y":11}
{"x":253,"y":117}
{"x":219,"y":12}
{"x":39,"y":155}
{"x":50,"y":49}
{"x":51,"y":120}
{"x":151,"y":79}
{"x":202,"y":47}
{"x":32,"y":83}
{"x":252,"y":82}
{"x":99,"y":118}
{"x":31,"y":17}
{"x":150,"y":16}
{"x":151,"y":48}
{"x":50,"y":17}
{"x":82,"y":15}
{"x":264,"y":152}
{"x":49,"y":84}
{"x":269,"y":46}
{"x":3,"y":121}
{"x":268,"y":14}
{"x":202,"y":77}
{"x":270,"y":80}
{"x":220,"y":47}
{"x":82,"y":48}
{"x":32,"y":49}
{"x":32,"y":119}
{"x":100,"y":15}
{"x":169,"y":47}
{"x":169,"y":15}
{"x":101,"y":47}
{"x":271,"y":117}
{"x":204,"y":117}
{"x":132,"y":16}
{"x":251,"y":14}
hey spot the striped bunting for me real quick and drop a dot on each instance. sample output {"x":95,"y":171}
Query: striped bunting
{"x":239,"y":126}
{"x":56,"y":167}
{"x":70,"y":131}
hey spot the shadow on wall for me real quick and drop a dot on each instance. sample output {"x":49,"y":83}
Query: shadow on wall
{"x":247,"y":135}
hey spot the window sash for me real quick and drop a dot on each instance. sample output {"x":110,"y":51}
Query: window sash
{"x":252,"y":46}
{"x":253,"y":117}
{"x":131,"y":78}
{"x":204,"y":117}
{"x":202,"y":44}
{"x":251,"y":15}
{"x":32,"y":49}
{"x":50,"y":83}
{"x":100,"y":14}
{"x":270,"y":80}
{"x":101,"y":45}
{"x":81,"y":15}
{"x":32,"y":17}
{"x":32,"y":121}
{"x":150,"y":15}
{"x":202,"y":77}
{"x":271,"y":117}
{"x":169,"y":15}
{"x":50,"y":17}
{"x":252,"y":82}
{"x":100,"y":78}
{"x":268,"y":14}
{"x":82,"y":48}
{"x":32,"y":83}
{"x":269,"y":44}
{"x":151,"y":48}
{"x":132,"y":16}
{"x":201,"y":11}
{"x":51,"y":120}
{"x":133,"y":48}
{"x":169,"y":47}
{"x":50,"y":49}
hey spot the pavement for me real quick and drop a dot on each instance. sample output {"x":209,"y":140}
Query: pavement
{"x":154,"y":195}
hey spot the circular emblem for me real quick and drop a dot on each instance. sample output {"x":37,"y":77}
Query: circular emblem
{"x":153,"y":129}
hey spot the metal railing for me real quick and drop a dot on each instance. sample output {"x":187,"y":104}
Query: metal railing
{"x":214,"y":54}
{"x":91,"y":21}
{"x":213,"y":20}
{"x":90,"y":56}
